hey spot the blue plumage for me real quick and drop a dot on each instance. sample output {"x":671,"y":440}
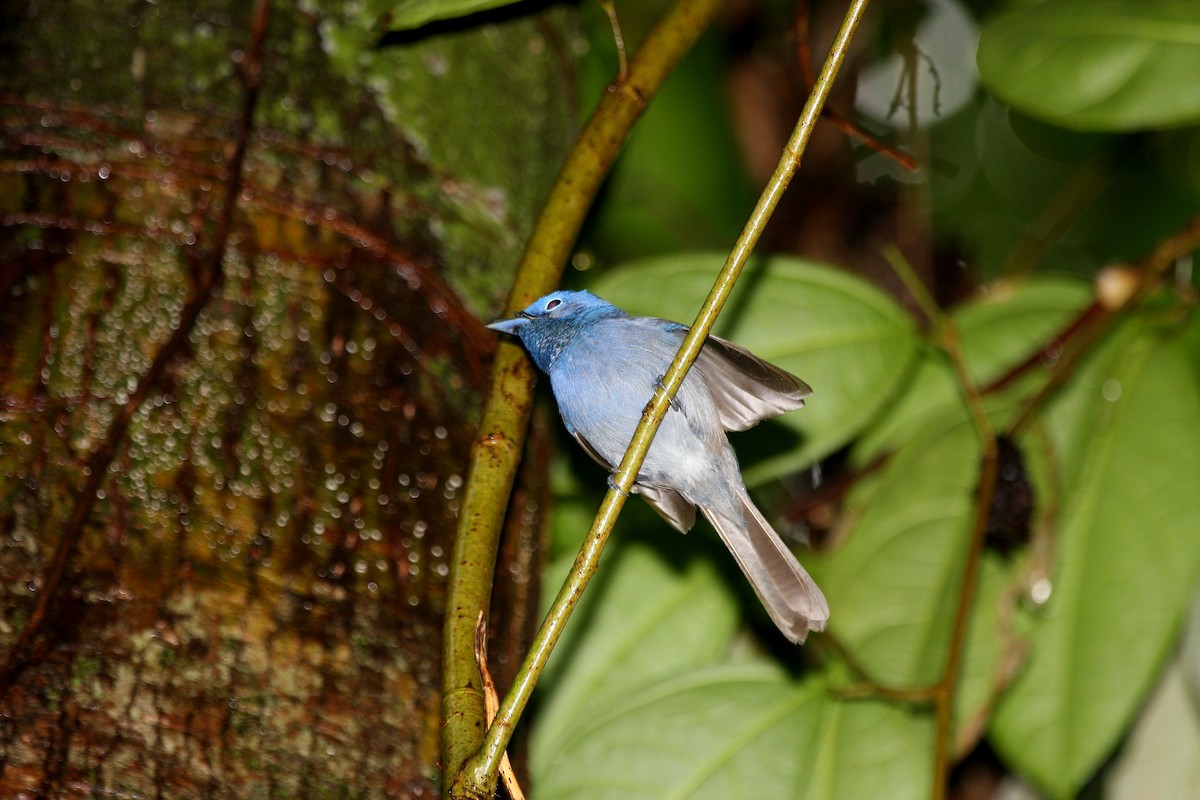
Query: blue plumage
{"x":603,"y":365}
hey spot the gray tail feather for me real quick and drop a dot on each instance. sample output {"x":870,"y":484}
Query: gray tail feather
{"x":789,"y":594}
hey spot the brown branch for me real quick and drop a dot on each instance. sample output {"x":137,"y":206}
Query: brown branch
{"x":946,"y":336}
{"x":989,"y":470}
{"x":1051,"y":351}
{"x":804,"y":55}
{"x":1149,"y":274}
{"x":207,"y":270}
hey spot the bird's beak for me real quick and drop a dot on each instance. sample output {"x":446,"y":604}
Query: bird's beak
{"x":509,"y":325}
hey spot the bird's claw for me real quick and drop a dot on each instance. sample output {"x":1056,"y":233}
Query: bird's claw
{"x":612,"y":484}
{"x":674,"y":401}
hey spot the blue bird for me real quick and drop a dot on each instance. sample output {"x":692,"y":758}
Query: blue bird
{"x":603,"y":366}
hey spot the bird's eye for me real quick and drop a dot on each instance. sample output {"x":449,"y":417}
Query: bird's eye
{"x":553,"y":304}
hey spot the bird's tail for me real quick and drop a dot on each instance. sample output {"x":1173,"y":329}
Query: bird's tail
{"x":790,"y":595}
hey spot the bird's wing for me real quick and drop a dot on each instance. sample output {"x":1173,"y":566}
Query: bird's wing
{"x":669,"y":504}
{"x":591,"y":451}
{"x":745,"y":388}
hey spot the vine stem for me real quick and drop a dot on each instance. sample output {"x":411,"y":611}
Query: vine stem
{"x":942,"y":693}
{"x":478,"y":776}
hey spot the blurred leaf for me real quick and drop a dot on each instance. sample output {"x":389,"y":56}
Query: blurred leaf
{"x":992,"y":189}
{"x":408,"y":14}
{"x":932,"y":392}
{"x":1127,"y":561}
{"x":1097,"y":64}
{"x":742,"y":731}
{"x":1016,"y":195}
{"x":651,"y":612}
{"x":845,"y":338}
{"x":894,"y":583}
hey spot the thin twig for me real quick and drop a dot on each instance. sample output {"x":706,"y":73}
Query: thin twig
{"x":944,"y":703}
{"x":491,"y":704}
{"x":610,"y":10}
{"x":804,"y":56}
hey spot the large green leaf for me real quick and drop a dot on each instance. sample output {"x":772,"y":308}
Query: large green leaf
{"x":849,"y":341}
{"x":894,"y":583}
{"x":1097,"y":64}
{"x":742,"y":731}
{"x":1127,"y":559}
{"x":652,"y":611}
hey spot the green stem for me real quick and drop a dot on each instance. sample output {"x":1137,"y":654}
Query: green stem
{"x":942,"y":692}
{"x":497,"y":450}
{"x":988,"y":471}
{"x":478,"y":776}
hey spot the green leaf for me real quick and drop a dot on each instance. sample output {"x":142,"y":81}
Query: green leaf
{"x":408,"y":14}
{"x":657,"y":607}
{"x":1011,"y":321}
{"x":1097,"y":64}
{"x":894,"y":583}
{"x":998,"y":330}
{"x":846,"y":339}
{"x":1127,"y":559}
{"x":742,"y":731}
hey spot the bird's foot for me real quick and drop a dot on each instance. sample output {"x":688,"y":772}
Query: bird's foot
{"x":674,"y":401}
{"x":612,"y":484}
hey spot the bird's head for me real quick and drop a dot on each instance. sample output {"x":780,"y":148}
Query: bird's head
{"x":548,"y":323}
